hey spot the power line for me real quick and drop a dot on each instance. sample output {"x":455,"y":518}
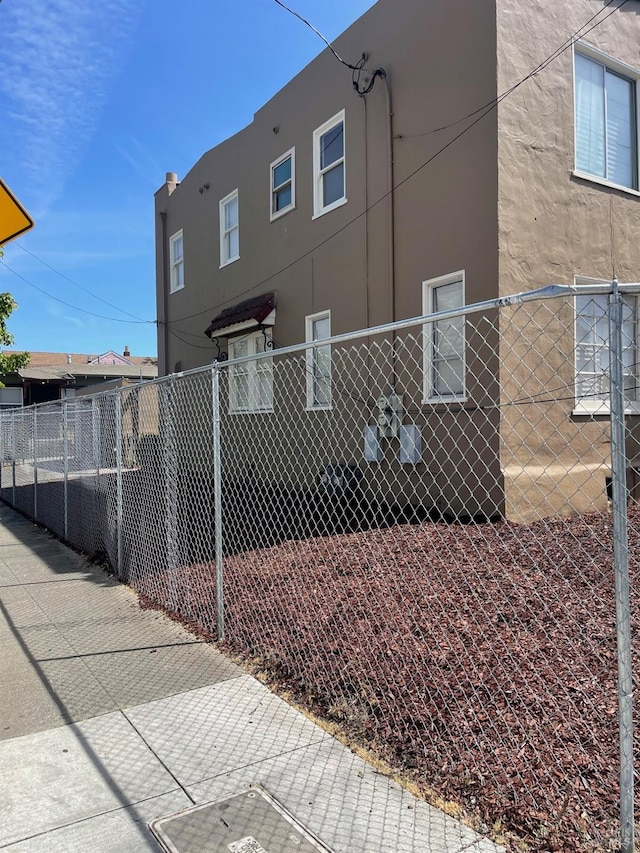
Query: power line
{"x":318,"y":33}
{"x":79,"y":286}
{"x":5,"y":265}
{"x":553,"y":56}
{"x":479,"y":114}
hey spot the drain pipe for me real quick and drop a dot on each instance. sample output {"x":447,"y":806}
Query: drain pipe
{"x":392,"y":223}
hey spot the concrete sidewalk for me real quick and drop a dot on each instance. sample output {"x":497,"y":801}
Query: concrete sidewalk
{"x":112,"y":717}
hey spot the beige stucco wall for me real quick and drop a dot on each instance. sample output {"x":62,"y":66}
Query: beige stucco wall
{"x":552,"y":227}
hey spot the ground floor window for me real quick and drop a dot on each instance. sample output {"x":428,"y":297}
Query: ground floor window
{"x":444,"y":340}
{"x":592,"y":352}
{"x":251,"y":381}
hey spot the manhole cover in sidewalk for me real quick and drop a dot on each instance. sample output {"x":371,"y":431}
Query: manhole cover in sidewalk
{"x":248,"y":822}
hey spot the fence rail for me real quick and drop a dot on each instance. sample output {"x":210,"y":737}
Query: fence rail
{"x":419,"y":530}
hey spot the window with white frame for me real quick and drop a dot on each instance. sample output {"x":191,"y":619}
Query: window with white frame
{"x":251,"y":382}
{"x":283,"y":184}
{"x":229,"y":229}
{"x":176,"y":262}
{"x":592,"y":353}
{"x":318,"y":328}
{"x":606,"y":119}
{"x":329,"y":188}
{"x":444,"y":340}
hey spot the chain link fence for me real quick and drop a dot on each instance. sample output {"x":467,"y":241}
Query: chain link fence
{"x":419,"y":532}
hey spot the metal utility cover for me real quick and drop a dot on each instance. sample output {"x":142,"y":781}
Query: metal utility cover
{"x":248,"y":822}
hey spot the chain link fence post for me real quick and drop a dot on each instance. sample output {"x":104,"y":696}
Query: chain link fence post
{"x":621,"y":564}
{"x":65,"y":464}
{"x":118,"y":417}
{"x":35,"y":464}
{"x":171,"y":493}
{"x":217,"y":498}
{"x":95,"y":429}
{"x":13,"y":458}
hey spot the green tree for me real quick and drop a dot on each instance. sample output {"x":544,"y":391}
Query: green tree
{"x":9,"y":363}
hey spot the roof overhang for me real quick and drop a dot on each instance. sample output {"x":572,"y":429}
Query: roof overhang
{"x":257,"y":311}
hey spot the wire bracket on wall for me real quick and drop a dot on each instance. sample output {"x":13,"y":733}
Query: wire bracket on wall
{"x":369,"y":83}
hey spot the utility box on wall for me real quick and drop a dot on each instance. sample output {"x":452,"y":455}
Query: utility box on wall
{"x":372,"y":444}
{"x":410,"y":444}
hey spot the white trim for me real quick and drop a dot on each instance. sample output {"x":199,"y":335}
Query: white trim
{"x":605,"y":59}
{"x":224,"y":261}
{"x":227,"y":331}
{"x":309,"y":321}
{"x":428,"y":288}
{"x":629,"y":73}
{"x":278,"y":213}
{"x":594,"y":179}
{"x":174,"y":264}
{"x":318,"y":208}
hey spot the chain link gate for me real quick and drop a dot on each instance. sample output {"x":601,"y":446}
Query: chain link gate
{"x":409,"y":529}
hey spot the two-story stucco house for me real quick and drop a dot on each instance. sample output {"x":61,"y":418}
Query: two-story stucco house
{"x":488,"y":147}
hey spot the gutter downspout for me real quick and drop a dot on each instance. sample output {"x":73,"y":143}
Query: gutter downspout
{"x":163,"y":367}
{"x":392,"y":224}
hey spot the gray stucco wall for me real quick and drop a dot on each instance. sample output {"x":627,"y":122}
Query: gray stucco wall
{"x":440,"y":60}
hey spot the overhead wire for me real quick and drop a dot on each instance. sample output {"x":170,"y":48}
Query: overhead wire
{"x":6,"y":266}
{"x":477,"y":116}
{"x":79,"y":286}
{"x":318,"y":33}
{"x":551,"y":58}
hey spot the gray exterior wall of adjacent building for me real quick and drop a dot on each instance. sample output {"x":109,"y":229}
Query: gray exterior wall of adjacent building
{"x":440,"y":59}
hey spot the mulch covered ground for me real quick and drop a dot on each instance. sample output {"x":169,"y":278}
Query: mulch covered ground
{"x":478,"y":659}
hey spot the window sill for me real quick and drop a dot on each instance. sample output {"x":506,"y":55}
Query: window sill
{"x":251,"y":411}
{"x":230,"y":261}
{"x":327,"y":408}
{"x":599,"y":410}
{"x":282,"y":212}
{"x":603,"y":182}
{"x":176,"y":289}
{"x":329,"y":208}
{"x":440,"y":401}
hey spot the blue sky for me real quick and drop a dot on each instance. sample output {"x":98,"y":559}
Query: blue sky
{"x":98,"y":101}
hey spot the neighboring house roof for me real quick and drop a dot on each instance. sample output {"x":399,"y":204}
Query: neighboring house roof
{"x":42,"y":359}
{"x":70,"y":372}
{"x":254,"y":310}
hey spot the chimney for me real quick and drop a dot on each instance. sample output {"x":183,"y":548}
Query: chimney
{"x":127,"y":352}
{"x":172,"y":182}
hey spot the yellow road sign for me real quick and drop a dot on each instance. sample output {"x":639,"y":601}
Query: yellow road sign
{"x":14,"y":219}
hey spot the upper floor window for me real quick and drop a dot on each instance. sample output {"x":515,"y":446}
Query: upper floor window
{"x":329,"y":189}
{"x":176,"y":262}
{"x":592,"y":353}
{"x":251,"y":382}
{"x":229,"y":229}
{"x":606,"y":120}
{"x":283,"y":184}
{"x":444,"y":351}
{"x":318,"y":328}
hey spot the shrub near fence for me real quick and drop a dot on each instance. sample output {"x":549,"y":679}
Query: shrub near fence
{"x":435,"y":574}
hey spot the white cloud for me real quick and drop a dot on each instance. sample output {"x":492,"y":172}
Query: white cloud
{"x":54,"y":309}
{"x":141,"y":161}
{"x":58,"y":60}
